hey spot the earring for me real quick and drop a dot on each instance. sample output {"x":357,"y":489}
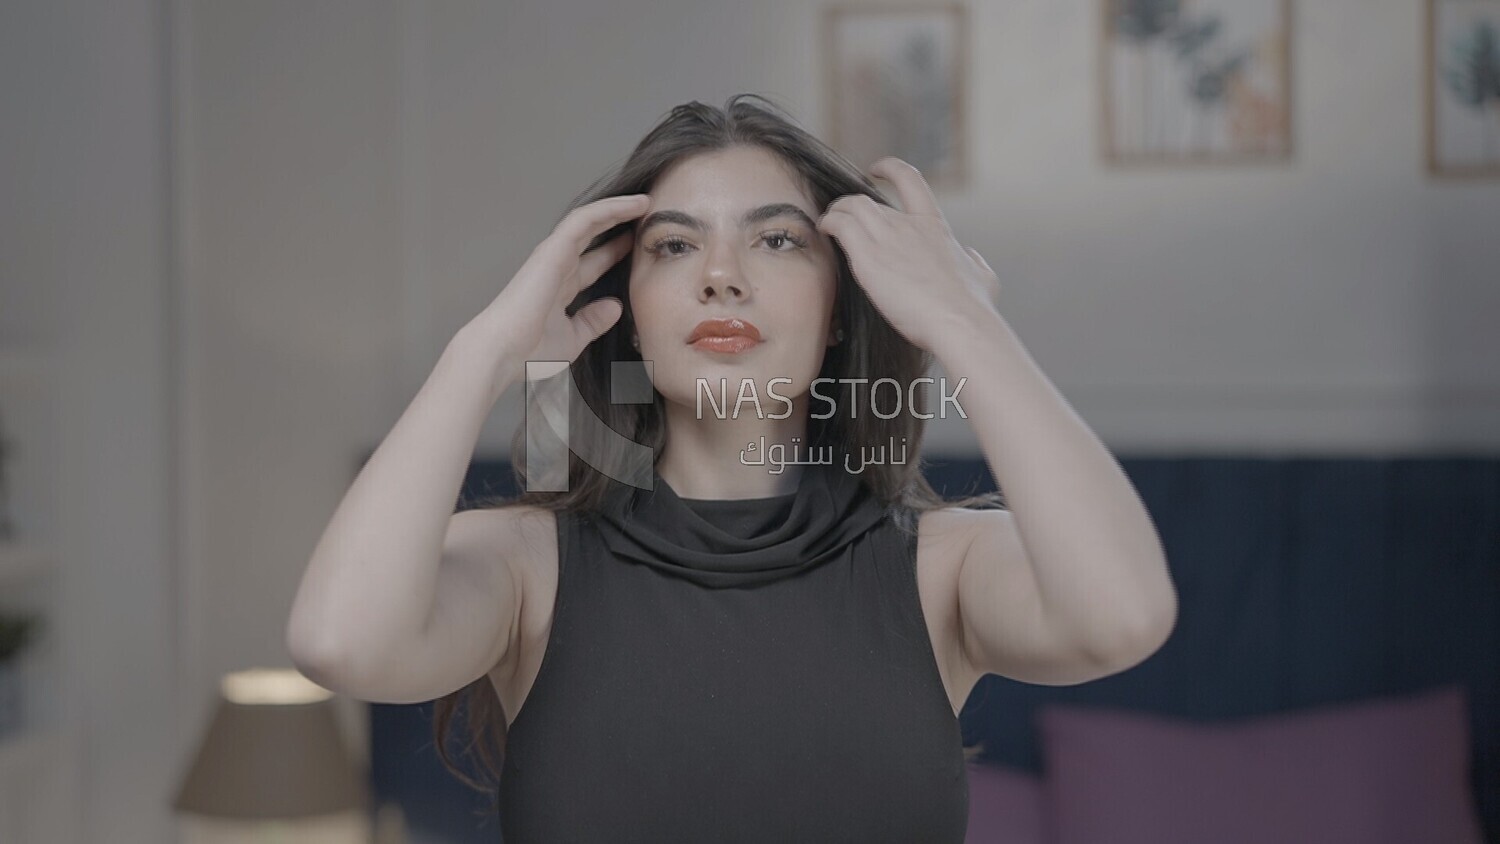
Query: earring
{"x":838,"y":335}
{"x":635,"y":341}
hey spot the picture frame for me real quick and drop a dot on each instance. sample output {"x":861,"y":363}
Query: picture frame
{"x":1461,"y":88}
{"x":1210,"y":84}
{"x":897,"y":84}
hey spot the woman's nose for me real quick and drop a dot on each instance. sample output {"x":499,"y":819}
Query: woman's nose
{"x":722,"y":278}
{"x":721,"y":286}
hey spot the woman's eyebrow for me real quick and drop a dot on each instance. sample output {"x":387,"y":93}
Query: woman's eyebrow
{"x":751,"y":217}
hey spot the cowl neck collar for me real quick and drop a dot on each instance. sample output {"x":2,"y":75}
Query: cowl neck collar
{"x":697,"y":539}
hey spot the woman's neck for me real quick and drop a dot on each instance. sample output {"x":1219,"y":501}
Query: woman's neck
{"x":747,"y":457}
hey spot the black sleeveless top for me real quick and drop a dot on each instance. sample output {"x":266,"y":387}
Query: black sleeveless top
{"x":753,"y":670}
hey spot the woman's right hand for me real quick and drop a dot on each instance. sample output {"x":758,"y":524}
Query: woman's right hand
{"x":528,"y":320}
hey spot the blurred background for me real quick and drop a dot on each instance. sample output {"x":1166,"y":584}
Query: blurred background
{"x":1255,"y":243}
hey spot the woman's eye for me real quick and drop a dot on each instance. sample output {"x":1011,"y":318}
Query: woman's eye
{"x":785,"y":236}
{"x":667,"y":244}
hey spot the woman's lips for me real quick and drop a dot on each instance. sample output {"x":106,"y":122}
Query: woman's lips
{"x":729,"y":345}
{"x":730,"y":335}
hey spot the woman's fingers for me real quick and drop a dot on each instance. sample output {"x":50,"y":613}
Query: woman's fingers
{"x":531,"y":309}
{"x":579,"y":227}
{"x":994,"y":286}
{"x":911,"y":186}
{"x":595,"y":318}
{"x":597,"y":262}
{"x":978,"y":258}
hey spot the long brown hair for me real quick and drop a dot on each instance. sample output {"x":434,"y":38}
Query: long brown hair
{"x":872,"y":349}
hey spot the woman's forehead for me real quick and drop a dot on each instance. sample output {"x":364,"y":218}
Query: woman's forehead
{"x":728,"y":182}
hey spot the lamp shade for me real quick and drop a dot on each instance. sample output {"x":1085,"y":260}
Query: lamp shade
{"x":272,"y":751}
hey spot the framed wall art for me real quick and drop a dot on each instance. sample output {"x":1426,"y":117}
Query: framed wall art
{"x":896,"y":85}
{"x":1207,"y":81}
{"x":1463,"y":88}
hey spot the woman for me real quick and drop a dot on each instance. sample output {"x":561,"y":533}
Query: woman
{"x":766,"y":630}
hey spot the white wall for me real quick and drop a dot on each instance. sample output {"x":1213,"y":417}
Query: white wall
{"x":341,"y":185}
{"x":290,"y":241}
{"x":85,"y":263}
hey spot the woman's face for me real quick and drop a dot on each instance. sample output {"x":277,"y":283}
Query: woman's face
{"x":730,"y":234}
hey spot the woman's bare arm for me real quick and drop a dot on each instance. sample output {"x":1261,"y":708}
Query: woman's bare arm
{"x":402,"y":600}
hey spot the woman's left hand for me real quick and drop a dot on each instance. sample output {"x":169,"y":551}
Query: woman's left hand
{"x":908,"y":262}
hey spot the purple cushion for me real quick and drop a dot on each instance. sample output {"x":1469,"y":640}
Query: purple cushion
{"x":1384,"y":770}
{"x":1005,"y":806}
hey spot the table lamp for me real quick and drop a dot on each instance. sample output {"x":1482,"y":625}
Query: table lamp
{"x":272,"y":754}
